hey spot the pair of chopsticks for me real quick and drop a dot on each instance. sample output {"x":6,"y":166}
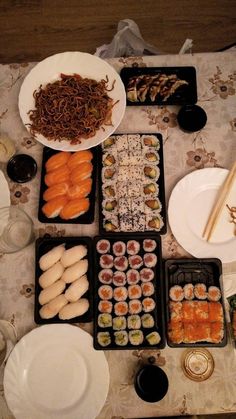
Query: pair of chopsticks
{"x":221,"y":198}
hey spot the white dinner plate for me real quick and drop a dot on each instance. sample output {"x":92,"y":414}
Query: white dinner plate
{"x":86,"y":65}
{"x":54,"y":372}
{"x":4,"y":192}
{"x":190,"y":205}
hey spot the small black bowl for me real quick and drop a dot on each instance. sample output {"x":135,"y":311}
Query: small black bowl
{"x":151,"y":383}
{"x":21,"y":168}
{"x":191,"y":118}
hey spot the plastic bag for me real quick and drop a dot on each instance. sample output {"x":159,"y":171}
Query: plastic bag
{"x":129,"y":42}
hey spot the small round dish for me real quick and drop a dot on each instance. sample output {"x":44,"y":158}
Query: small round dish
{"x":21,"y":168}
{"x":151,"y":383}
{"x":197,"y":364}
{"x":191,"y":118}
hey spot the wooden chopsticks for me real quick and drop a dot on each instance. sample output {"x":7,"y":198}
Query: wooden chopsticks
{"x":221,"y":198}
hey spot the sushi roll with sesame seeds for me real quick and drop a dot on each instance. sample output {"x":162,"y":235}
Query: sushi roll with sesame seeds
{"x":151,"y":156}
{"x":139,"y":222}
{"x":151,"y":172}
{"x":105,"y":306}
{"x":135,"y":306}
{"x":121,"y":263}
{"x":108,"y":173}
{"x":149,"y":245}
{"x":126,"y":222}
{"x":188,"y":291}
{"x":176,"y":293}
{"x":150,"y":141}
{"x":121,"y":188}
{"x":146,"y":274}
{"x":150,"y":260}
{"x":152,"y":206}
{"x":109,"y":190}
{"x":134,"y":189}
{"x":147,"y":321}
{"x":109,"y":207}
{"x":119,"y":279}
{"x":104,"y":338}
{"x":120,"y":293}
{"x":121,"y":308}
{"x":136,"y":337}
{"x":121,"y":338}
{"x":153,"y":338}
{"x":200,"y":291}
{"x":105,"y":276}
{"x":103,"y":246}
{"x":148,"y":304}
{"x":109,"y":143}
{"x":134,"y":142}
{"x":133,"y":247}
{"x":150,"y":189}
{"x":154,"y":222}
{"x":105,"y":292}
{"x":134,"y":321}
{"x":135,"y":261}
{"x":111,"y":224}
{"x":147,"y":289}
{"x":121,"y":142}
{"x":119,"y":248}
{"x":109,"y":159}
{"x":214,"y":293}
{"x":119,"y":323}
{"x":104,"y":320}
{"x":134,"y":291}
{"x":133,"y":276}
{"x":106,"y":261}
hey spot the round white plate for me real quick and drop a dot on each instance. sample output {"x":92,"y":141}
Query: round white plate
{"x":5,"y":192}
{"x":86,"y":65}
{"x":190,"y":205}
{"x":55,"y":373}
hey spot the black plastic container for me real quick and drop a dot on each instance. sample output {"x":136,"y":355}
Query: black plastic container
{"x":184,"y":95}
{"x":160,"y":182}
{"x":193,"y":271}
{"x":157,"y":312}
{"x":42,"y":246}
{"x":87,"y":217}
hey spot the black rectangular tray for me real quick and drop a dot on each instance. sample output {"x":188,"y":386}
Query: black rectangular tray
{"x":160,"y":182}
{"x":184,"y":95}
{"x":158,"y":312}
{"x":87,"y":217}
{"x":184,"y":271}
{"x":42,"y":246}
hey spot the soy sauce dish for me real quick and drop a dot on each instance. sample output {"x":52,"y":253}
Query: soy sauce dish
{"x":151,"y":383}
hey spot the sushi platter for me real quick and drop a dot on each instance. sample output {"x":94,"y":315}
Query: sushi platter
{"x":159,"y":85}
{"x":132,"y":192}
{"x":63,"y":280}
{"x":68,"y":183}
{"x":128,"y":299}
{"x":194,"y":303}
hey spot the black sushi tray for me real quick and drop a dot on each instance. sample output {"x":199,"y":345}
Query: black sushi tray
{"x":87,"y":217}
{"x":157,"y":312}
{"x":42,"y":246}
{"x":160,"y":184}
{"x":185,"y":94}
{"x":207,"y":271}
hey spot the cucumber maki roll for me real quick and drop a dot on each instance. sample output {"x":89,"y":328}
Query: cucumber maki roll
{"x":121,"y":338}
{"x":147,"y":321}
{"x":104,"y":338}
{"x":153,"y":338}
{"x":105,"y":320}
{"x":136,"y":337}
{"x":134,"y":321}
{"x":119,"y":323}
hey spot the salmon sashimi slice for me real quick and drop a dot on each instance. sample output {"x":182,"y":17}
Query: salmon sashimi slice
{"x":78,"y":158}
{"x":57,"y":160}
{"x":62,"y":174}
{"x":53,"y":207}
{"x":81,"y":172}
{"x":74,"y":208}
{"x":54,"y":191}
{"x":81,"y":190}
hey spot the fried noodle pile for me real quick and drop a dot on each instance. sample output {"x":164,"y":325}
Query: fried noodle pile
{"x":71,"y":108}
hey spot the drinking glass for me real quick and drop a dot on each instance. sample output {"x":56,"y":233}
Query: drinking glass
{"x":16,"y":229}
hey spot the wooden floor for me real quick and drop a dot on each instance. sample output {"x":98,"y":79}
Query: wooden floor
{"x":34,"y":29}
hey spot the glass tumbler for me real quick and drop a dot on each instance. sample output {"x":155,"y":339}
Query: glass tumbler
{"x":16,"y":229}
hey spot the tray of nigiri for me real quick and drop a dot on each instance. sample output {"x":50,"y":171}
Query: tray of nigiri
{"x":159,"y":85}
{"x":131,"y":185}
{"x":128,"y":294}
{"x":63,"y":280}
{"x":194,"y":303}
{"x":68,"y":183}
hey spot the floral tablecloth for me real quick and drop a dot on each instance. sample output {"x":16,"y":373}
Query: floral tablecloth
{"x":213,"y":146}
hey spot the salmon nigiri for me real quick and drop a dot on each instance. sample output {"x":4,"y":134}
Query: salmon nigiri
{"x":57,"y":160}
{"x":62,"y":174}
{"x":81,"y":190}
{"x":59,"y":189}
{"x":74,"y":208}
{"x":81,"y":172}
{"x":79,"y":157}
{"x":53,"y":207}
